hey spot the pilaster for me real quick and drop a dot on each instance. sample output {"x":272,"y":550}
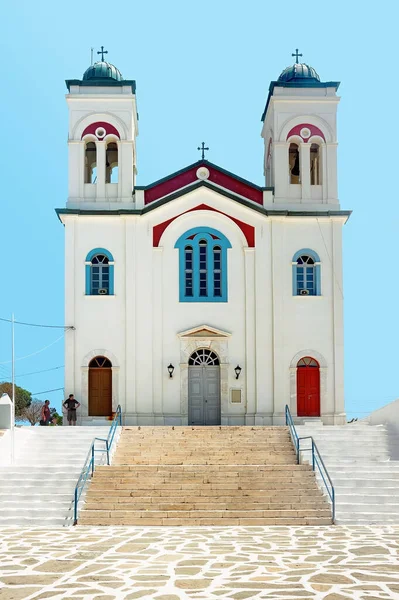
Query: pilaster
{"x":250,"y":333}
{"x":100,"y":170}
{"x":157,"y":333}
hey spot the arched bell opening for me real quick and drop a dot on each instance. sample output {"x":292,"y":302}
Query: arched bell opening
{"x":315,"y":166}
{"x":111,"y":163}
{"x":90,"y":166}
{"x":294,"y":164}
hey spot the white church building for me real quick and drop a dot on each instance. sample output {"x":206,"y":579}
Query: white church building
{"x":203,"y":298}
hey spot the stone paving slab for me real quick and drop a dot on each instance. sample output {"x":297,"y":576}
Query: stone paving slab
{"x":206,"y":563}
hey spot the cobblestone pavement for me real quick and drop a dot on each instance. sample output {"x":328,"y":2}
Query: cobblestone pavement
{"x":176,"y":563}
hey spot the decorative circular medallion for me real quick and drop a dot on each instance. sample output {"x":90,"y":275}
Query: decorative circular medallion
{"x":305,"y":133}
{"x":100,"y":132}
{"x":203,"y":173}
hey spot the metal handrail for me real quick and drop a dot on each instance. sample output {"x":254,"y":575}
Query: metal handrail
{"x":89,"y":464}
{"x":317,"y":460}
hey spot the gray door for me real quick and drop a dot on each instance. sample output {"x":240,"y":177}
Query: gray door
{"x":203,"y":395}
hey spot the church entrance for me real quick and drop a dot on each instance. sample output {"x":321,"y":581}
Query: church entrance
{"x":308,"y":387}
{"x":204,"y":388}
{"x":100,"y":387}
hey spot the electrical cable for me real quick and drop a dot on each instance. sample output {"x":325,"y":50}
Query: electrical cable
{"x":47,"y":391}
{"x":330,"y":259}
{"x":37,"y":325}
{"x":34,"y":353}
{"x":35,"y":372}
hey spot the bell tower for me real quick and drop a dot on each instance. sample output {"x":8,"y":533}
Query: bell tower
{"x":101,"y":138}
{"x":300,"y":136}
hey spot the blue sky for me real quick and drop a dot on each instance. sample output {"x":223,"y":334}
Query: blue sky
{"x":202,"y":71}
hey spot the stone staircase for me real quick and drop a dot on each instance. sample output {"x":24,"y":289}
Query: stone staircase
{"x":37,"y":490}
{"x":204,"y":476}
{"x":358,"y":459}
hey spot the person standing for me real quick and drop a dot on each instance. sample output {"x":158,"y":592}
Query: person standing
{"x":45,"y":417}
{"x":71,"y":404}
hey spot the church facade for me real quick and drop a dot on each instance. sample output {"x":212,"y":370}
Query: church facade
{"x":203,"y":298}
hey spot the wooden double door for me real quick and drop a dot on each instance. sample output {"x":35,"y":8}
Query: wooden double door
{"x":100,"y":387}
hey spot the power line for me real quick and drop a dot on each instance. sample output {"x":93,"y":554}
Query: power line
{"x":330,"y":259}
{"x":38,"y":325}
{"x":43,"y":371}
{"x":34,"y":353}
{"x":46,"y":391}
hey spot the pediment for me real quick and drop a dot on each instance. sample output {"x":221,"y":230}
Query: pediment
{"x":204,"y":332}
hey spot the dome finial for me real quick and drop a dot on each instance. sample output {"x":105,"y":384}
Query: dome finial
{"x":102,"y":52}
{"x":297,"y":55}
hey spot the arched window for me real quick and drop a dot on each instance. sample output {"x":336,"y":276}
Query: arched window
{"x":111,"y":163}
{"x":315,"y":171}
{"x":90,"y":163}
{"x":294,"y":164}
{"x":203,"y":265}
{"x":100,"y":362}
{"x":306,"y":273}
{"x":99,"y":273}
{"x":203,"y":358}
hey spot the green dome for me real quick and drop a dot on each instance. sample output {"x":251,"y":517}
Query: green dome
{"x":102,"y":70}
{"x":299,"y":72}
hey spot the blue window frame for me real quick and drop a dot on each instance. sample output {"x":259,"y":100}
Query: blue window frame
{"x":99,"y":273}
{"x":203,"y":265}
{"x":306,"y":274}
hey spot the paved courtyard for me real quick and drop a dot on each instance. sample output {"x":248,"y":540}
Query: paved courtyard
{"x":333,"y":563}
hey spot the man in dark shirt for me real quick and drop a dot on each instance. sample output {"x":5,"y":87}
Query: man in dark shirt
{"x":71,"y":404}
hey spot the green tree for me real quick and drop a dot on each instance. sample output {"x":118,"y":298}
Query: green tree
{"x":54,"y":414}
{"x":23,"y":398}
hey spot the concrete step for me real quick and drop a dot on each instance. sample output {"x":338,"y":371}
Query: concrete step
{"x":108,"y":505}
{"x":367,"y":505}
{"x":41,"y":522}
{"x":190,"y":522}
{"x":366,"y":518}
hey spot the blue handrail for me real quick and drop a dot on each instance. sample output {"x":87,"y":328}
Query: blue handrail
{"x":317,"y":460}
{"x":89,"y":464}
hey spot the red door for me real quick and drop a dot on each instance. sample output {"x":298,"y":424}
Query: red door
{"x":308,"y":388}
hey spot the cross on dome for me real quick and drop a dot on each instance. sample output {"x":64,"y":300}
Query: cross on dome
{"x":297,"y":55}
{"x":102,"y":52}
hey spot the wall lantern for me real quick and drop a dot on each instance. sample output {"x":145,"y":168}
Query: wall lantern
{"x":171,"y":369}
{"x":237,"y":371}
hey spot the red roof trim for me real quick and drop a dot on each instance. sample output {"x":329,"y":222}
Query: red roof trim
{"x":312,"y":128}
{"x":215,"y":176}
{"x":248,"y":230}
{"x":109,"y":129}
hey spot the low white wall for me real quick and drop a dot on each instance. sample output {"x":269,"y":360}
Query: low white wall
{"x":387,"y":415}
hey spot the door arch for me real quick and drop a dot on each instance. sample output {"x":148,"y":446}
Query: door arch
{"x":100,"y":387}
{"x":204,"y":405}
{"x":308,"y":387}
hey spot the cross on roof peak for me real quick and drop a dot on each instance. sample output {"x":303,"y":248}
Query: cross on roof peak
{"x":202,"y":148}
{"x":102,"y":52}
{"x":297,"y":55}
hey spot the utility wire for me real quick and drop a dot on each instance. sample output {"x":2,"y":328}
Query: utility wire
{"x":43,"y":371}
{"x":37,"y":325}
{"x":46,"y":391}
{"x":330,"y":259}
{"x":34,"y":353}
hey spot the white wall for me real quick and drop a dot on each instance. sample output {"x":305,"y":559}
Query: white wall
{"x":138,"y":327}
